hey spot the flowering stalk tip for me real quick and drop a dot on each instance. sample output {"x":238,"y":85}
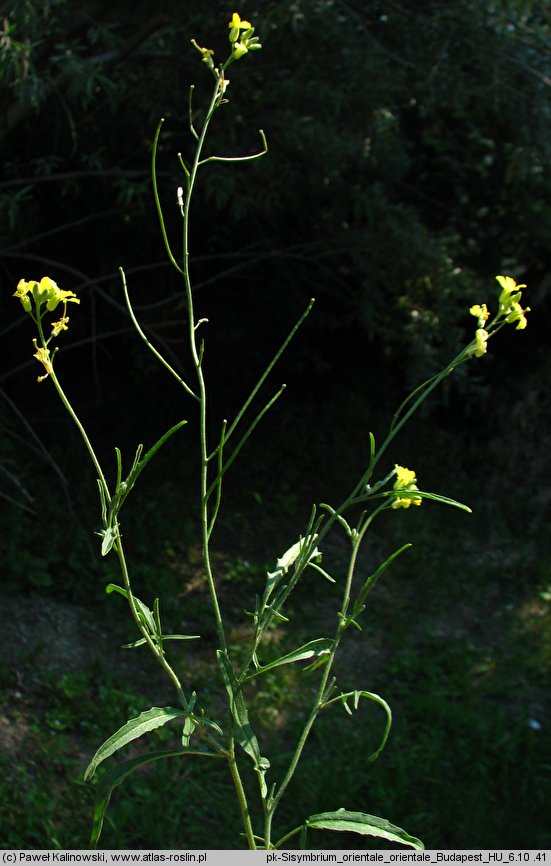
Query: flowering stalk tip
{"x":510,"y":312}
{"x":242,"y":37}
{"x":509,"y":302}
{"x":44,"y":292}
{"x":46,"y":297}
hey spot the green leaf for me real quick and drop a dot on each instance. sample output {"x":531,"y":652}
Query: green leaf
{"x":116,"y":775}
{"x":142,"y":640}
{"x":123,"y":488}
{"x":370,"y":583}
{"x":444,"y":499}
{"x":103,"y":501}
{"x":365,"y":825}
{"x":357,"y":694}
{"x":134,"y":728}
{"x":244,"y":733}
{"x":187,"y":730}
{"x":109,"y":536}
{"x":145,"y":614}
{"x":138,"y":466}
{"x":315,"y":648}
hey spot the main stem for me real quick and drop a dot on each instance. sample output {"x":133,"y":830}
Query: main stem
{"x":197,"y":361}
{"x":205,"y":529}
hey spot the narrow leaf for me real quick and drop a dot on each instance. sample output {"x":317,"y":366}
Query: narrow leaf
{"x":145,"y":614}
{"x":268,"y":369}
{"x":119,"y":467}
{"x":372,"y":579}
{"x":244,"y":733}
{"x":134,"y":728}
{"x":110,"y":780}
{"x":103,"y":502}
{"x":154,"y":448}
{"x":357,"y":694}
{"x":444,"y":499}
{"x":365,"y":825}
{"x":163,"y":637}
{"x":315,"y":648}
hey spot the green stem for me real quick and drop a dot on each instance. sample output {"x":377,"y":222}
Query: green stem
{"x":64,"y":399}
{"x":197,"y":356}
{"x":433,"y":383}
{"x":206,"y":524}
{"x":241,"y":796}
{"x":159,"y":654}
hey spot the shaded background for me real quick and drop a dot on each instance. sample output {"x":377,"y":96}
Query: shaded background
{"x":408,"y":164}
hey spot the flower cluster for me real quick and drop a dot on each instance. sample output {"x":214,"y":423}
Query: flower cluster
{"x":241,"y":37}
{"x":46,"y":296}
{"x":509,"y":302}
{"x":510,"y":311}
{"x":45,"y":292}
{"x":405,"y":482}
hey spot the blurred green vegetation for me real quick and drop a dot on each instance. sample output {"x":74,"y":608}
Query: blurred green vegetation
{"x":409,"y":163}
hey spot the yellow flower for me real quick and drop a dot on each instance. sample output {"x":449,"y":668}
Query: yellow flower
{"x":510,"y":292}
{"x":235,"y":25}
{"x":509,"y":302}
{"x":55,"y":295}
{"x":517,"y":314}
{"x":22,"y":292}
{"x":46,"y":291}
{"x":481,"y":312}
{"x":405,"y":482}
{"x":43,"y":355}
{"x":508,"y":284}
{"x":480,"y":348}
{"x":58,"y":327}
{"x":241,"y":37}
{"x":404,"y":477}
{"x":239,"y":49}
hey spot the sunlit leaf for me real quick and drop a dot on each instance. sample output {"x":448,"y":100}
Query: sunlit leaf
{"x":134,"y":728}
{"x":244,"y":734}
{"x":142,"y":640}
{"x":365,"y":825}
{"x":145,"y":613}
{"x":314,"y":648}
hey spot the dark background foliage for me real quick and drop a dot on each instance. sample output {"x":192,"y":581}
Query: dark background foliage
{"x":409,"y":157}
{"x":408,"y":164}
